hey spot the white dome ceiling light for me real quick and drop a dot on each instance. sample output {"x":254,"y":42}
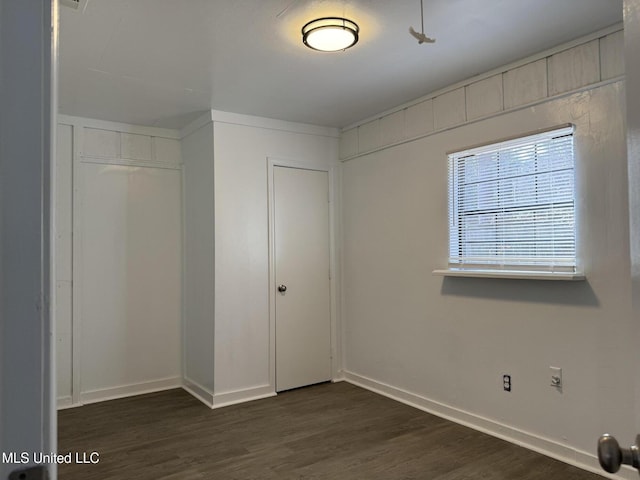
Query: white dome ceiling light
{"x":330,"y":34}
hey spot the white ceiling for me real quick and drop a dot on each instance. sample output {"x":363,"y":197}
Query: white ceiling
{"x":160,"y":62}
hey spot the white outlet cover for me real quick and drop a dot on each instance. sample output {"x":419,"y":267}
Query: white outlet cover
{"x":78,"y":5}
{"x":556,"y":372}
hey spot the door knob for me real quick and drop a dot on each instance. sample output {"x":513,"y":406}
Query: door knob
{"x":611,"y":456}
{"x":282,"y":288}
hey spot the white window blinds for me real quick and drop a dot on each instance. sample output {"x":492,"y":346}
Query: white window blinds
{"x":511,"y":205}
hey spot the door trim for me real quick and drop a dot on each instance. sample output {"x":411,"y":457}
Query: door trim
{"x":336,"y":353}
{"x":28,"y":417}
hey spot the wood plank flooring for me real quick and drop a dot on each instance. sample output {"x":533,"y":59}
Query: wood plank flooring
{"x":328,"y":431}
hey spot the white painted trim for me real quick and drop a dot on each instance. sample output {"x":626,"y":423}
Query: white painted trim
{"x":496,"y":71}
{"x":128,"y":162}
{"x":272,"y":124}
{"x":272,"y":272}
{"x":541,"y":101}
{"x":241,"y":396}
{"x":112,"y":393}
{"x":632,"y":67}
{"x":510,"y":274}
{"x":196,"y":125}
{"x":76,"y":264}
{"x":187,"y":384}
{"x":544,"y":446}
{"x":337,"y":287}
{"x":198,"y":391}
{"x":273,"y":162}
{"x":119,"y":127}
{"x":334,"y":229}
{"x":65,"y":402}
{"x":342,"y":304}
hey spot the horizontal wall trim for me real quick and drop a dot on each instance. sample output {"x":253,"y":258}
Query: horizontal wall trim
{"x":125,"y":162}
{"x":544,"y":446}
{"x":542,"y":101}
{"x":241,"y":396}
{"x":198,"y":391}
{"x":112,"y":393}
{"x":119,"y":127}
{"x":273,"y":124}
{"x":496,"y":71}
{"x":258,"y":122}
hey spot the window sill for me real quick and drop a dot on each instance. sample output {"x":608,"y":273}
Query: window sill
{"x":511,"y":274}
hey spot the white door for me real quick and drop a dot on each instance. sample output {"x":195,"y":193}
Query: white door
{"x":303,"y":302}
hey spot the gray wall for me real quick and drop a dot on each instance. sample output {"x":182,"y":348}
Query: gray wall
{"x":443,"y":344}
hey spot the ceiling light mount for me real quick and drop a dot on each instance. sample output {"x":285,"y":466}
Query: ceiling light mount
{"x":330,"y":34}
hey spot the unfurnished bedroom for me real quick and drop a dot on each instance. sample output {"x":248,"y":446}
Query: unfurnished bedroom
{"x":320,"y":239}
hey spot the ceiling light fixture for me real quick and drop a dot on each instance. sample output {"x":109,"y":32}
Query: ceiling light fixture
{"x":330,"y":34}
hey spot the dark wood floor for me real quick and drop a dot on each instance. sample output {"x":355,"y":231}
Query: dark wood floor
{"x":329,"y":431}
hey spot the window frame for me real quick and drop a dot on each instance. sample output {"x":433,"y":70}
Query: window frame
{"x":493,"y":268}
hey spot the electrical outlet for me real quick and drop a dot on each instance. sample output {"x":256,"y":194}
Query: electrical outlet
{"x":506,"y":383}
{"x":556,"y":377}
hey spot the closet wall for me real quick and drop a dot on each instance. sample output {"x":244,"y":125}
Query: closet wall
{"x":121,"y":209}
{"x":227,"y":331}
{"x":118,"y":252}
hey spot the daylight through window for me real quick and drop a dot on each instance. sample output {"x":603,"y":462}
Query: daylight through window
{"x":512,"y":205}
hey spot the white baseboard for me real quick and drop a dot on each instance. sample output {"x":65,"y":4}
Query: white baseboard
{"x":198,"y":391}
{"x":130,"y":390}
{"x":219,"y":400}
{"x":578,"y":458}
{"x":240,"y":396}
{"x":65,"y":402}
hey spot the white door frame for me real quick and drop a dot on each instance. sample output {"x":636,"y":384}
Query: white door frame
{"x":632,"y":67}
{"x":336,"y":356}
{"x":28,"y":107}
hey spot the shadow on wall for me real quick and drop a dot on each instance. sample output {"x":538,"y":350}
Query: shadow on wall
{"x":534,"y":291}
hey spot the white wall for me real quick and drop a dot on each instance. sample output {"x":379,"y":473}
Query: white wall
{"x":197,"y":150}
{"x":119,"y":206}
{"x":566,"y":68}
{"x":240,"y":315}
{"x":119,"y":328}
{"x":444,"y":344}
{"x":242,"y":256}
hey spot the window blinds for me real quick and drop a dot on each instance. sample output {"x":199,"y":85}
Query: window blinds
{"x":512,"y":204}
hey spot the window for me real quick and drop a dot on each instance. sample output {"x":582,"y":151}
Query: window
{"x":512,"y":206}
